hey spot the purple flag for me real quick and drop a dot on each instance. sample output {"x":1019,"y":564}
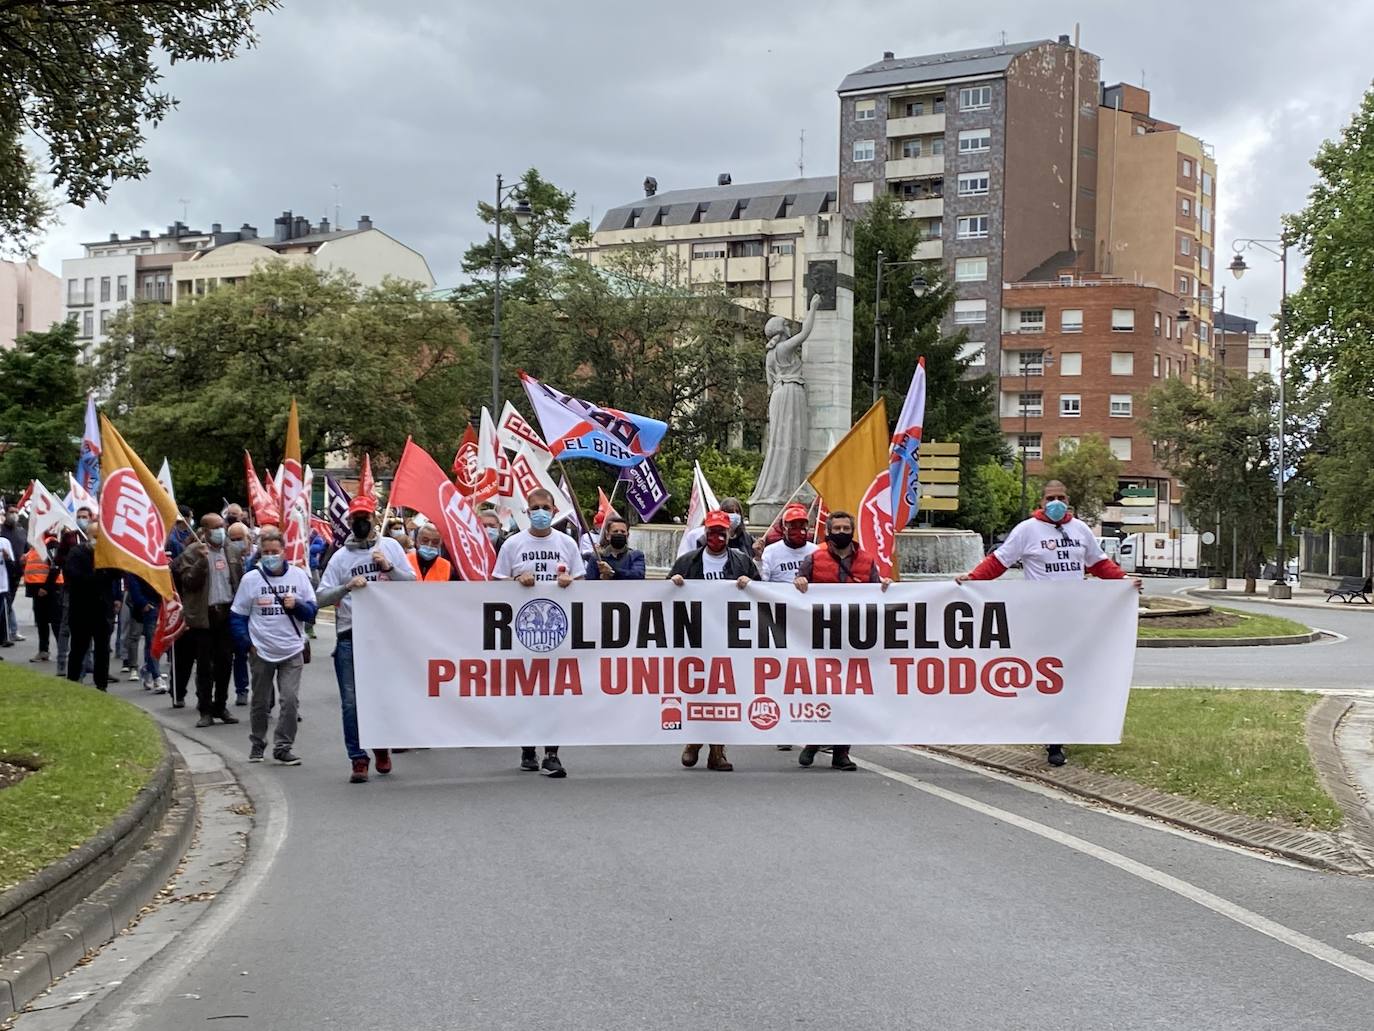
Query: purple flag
{"x":644,"y":488}
{"x":336,"y":501}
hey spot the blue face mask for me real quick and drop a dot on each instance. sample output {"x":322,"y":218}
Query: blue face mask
{"x":493,"y":534}
{"x":541,"y":519}
{"x":272,"y":563}
{"x":428,"y":553}
{"x":1056,"y":510}
{"x":217,"y":535}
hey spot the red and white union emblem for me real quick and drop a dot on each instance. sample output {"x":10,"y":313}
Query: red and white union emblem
{"x":130,"y":520}
{"x":764,"y":713}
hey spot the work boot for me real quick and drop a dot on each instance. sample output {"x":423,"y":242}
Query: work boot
{"x":359,"y":771}
{"x":690,"y":754}
{"x":1055,"y":755}
{"x":715,"y":759}
{"x":206,"y":720}
{"x":808,"y":755}
{"x":839,"y":760}
{"x":383,"y":759}
{"x":224,"y":717}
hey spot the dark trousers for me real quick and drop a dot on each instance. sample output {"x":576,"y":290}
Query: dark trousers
{"x":93,"y":633}
{"x":47,"y":614}
{"x":183,"y":663}
{"x":214,"y":662}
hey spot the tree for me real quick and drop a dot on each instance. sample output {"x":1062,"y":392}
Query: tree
{"x":1221,"y":448}
{"x":81,"y":76}
{"x":1089,"y":471}
{"x":40,"y":410}
{"x":200,"y":381}
{"x":990,"y":498}
{"x":1331,"y":318}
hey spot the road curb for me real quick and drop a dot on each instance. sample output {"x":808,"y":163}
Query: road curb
{"x":1227,"y":642}
{"x":97,"y":918}
{"x":1332,"y":852}
{"x":1336,"y":772}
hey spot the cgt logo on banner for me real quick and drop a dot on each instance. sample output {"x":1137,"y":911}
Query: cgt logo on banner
{"x":499,"y":664}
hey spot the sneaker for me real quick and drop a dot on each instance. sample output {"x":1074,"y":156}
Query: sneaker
{"x":255,"y":756}
{"x":553,"y":766}
{"x":148,"y":681}
{"x":383,"y":759}
{"x":135,"y":676}
{"x":310,"y":631}
{"x":290,"y":758}
{"x":359,"y":771}
{"x":529,"y":760}
{"x":784,"y":748}
{"x":40,"y":657}
{"x":225,"y":717}
{"x":241,"y":700}
{"x":1055,"y":755}
{"x":123,"y":669}
{"x":206,"y":720}
{"x":18,"y":637}
{"x":807,"y":756}
{"x":162,"y":683}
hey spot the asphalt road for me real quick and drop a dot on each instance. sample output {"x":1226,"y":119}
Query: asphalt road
{"x":460,"y":893}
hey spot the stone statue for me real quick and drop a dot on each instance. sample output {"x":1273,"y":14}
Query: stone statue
{"x":784,"y":459}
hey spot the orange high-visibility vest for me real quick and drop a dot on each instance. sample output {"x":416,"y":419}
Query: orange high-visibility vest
{"x":439,"y":569}
{"x":36,"y":568}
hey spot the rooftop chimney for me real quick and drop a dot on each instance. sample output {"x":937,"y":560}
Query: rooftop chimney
{"x":247,"y":232}
{"x":114,"y":237}
{"x":324,"y":225}
{"x":281,"y":227}
{"x":888,"y":55}
{"x":301,"y":227}
{"x":364,"y":222}
{"x":723,"y":179}
{"x":1064,"y":38}
{"x":216,"y":228}
{"x":145,"y":233}
{"x":650,"y":186}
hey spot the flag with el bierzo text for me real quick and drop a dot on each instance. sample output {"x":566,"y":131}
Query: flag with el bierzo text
{"x":993,"y":662}
{"x":421,"y":484}
{"x":575,"y":428}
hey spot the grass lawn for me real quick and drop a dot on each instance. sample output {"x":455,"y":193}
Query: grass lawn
{"x":1250,"y":624}
{"x":94,"y":753}
{"x":1240,"y":750}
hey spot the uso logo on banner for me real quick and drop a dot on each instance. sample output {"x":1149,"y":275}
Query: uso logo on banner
{"x":130,"y":520}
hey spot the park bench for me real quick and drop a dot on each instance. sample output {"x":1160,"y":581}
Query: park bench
{"x":1350,"y":588}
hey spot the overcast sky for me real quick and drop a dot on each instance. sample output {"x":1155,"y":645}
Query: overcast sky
{"x":412,"y":106}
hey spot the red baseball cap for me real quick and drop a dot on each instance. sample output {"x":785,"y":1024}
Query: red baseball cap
{"x":794,"y":512}
{"x":718,"y":519}
{"x":362,"y":504}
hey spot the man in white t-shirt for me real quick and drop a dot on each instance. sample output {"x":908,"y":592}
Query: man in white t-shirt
{"x":534,"y":556}
{"x":1051,"y":545}
{"x":273,"y":603}
{"x":782,"y":559}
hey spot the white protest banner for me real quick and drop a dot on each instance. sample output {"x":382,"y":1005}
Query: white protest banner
{"x":456,"y":664}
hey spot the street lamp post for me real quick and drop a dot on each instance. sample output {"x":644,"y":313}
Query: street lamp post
{"x":1280,"y":587}
{"x":522,"y":215}
{"x":918,"y":287}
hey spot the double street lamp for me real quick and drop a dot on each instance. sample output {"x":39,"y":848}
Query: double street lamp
{"x":522,"y":212}
{"x":1279,"y":588}
{"x":918,"y":287}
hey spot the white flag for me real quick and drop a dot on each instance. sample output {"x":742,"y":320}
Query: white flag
{"x":703,"y":501}
{"x":81,"y":497}
{"x":47,"y":514}
{"x":164,"y":477}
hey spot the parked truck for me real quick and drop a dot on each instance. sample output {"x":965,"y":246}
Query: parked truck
{"x":1159,"y":553}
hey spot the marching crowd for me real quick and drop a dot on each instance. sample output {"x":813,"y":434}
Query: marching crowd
{"x":250,"y":615}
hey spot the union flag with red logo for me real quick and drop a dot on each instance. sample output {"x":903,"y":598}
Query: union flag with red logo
{"x":135,"y":515}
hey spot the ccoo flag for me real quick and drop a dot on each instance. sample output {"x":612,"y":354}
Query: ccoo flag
{"x":579,"y":429}
{"x":135,"y":514}
{"x":904,"y":466}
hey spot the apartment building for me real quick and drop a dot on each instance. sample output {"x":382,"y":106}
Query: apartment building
{"x":184,"y":262}
{"x":1080,"y":352}
{"x":1156,"y":205}
{"x":1240,"y":348}
{"x":993,"y":151}
{"x":749,"y":236}
{"x":30,"y":300}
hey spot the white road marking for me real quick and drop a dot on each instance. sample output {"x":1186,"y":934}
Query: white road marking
{"x":1364,"y":938}
{"x":1222,"y":907}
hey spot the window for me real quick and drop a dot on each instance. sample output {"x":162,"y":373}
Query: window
{"x":1183,"y":286}
{"x":1168,"y":368}
{"x":1185,"y":206}
{"x":746,"y":248}
{"x":752,"y":289}
{"x":911,"y":148}
{"x":1202,"y":332}
{"x":87,"y":323}
{"x":1158,"y":319}
{"x":863,"y":150}
{"x":912,"y":109}
{"x":1123,"y":320}
{"x":975,"y":98}
{"x":1187,"y":169}
{"x":1070,"y":406}
{"x":967,"y":313}
{"x":1205,"y":217}
{"x":975,"y":141}
{"x":786,"y":247}
{"x":1032,"y":320}
{"x":975,"y":353}
{"x":1071,"y":320}
{"x":1206,"y":185}
{"x":932,"y":230}
{"x":863,"y":191}
{"x":973,"y":227}
{"x":73,"y":291}
{"x":1121,"y":447}
{"x":1067,"y":444}
{"x":1028,"y":444}
{"x":88,"y":291}
{"x":865,"y":110}
{"x":122,"y":288}
{"x":1032,"y":403}
{"x":780,"y":288}
{"x":970,"y":270}
{"x":1031,"y":363}
{"x":1169,"y":326}
{"x":1123,"y":363}
{"x":699,"y":250}
{"x":1121,"y":406}
{"x":973,"y":184}
{"x":937,"y":145}
{"x":104,"y":320}
{"x":105,"y":288}
{"x":1156,"y":368}
{"x":1185,"y":245}
{"x":1071,"y":363}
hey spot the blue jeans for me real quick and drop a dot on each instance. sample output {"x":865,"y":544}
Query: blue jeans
{"x":240,"y":671}
{"x":348,"y":698}
{"x":11,"y":616}
{"x":150,"y":665}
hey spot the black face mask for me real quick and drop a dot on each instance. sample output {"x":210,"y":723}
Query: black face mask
{"x":231,"y":520}
{"x":840,"y":540}
{"x":362,"y":529}
{"x":618,"y":540}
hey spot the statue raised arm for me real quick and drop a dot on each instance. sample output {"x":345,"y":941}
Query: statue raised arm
{"x":783,"y":362}
{"x":784,"y":458}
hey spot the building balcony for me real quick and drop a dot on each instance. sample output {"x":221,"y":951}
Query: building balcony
{"x":929,"y":250}
{"x":746,"y":270}
{"x":782,"y":266}
{"x":914,"y":168}
{"x":705,"y":270}
{"x":919,"y":125}
{"x":930,"y":207}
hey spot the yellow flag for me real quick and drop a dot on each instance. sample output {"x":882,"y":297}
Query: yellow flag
{"x":843,"y":476}
{"x":136,"y":513}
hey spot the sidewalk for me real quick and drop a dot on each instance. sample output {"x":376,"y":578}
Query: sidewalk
{"x":1303,"y":597}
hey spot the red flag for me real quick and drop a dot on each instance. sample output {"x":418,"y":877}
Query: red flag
{"x":420,"y":484}
{"x":465,"y":462}
{"x":365,"y":485}
{"x":260,"y":500}
{"x":323,"y":527}
{"x":26,"y":497}
{"x":822,"y":517}
{"x":171,"y":624}
{"x":604,"y":510}
{"x":874,"y":532}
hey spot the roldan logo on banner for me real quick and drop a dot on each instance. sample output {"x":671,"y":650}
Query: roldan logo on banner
{"x":497,"y":664}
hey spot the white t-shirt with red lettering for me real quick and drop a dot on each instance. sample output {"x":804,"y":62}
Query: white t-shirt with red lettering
{"x":1050,"y":552}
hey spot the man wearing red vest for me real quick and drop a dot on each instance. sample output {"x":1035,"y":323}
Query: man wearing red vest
{"x":841,"y":561}
{"x":429,"y":565}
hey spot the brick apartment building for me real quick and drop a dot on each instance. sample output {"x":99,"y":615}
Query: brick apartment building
{"x":1080,"y":353}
